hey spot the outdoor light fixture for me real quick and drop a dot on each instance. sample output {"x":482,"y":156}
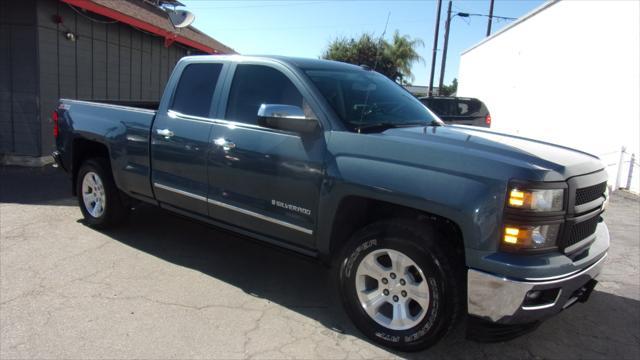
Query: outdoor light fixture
{"x":70,"y":36}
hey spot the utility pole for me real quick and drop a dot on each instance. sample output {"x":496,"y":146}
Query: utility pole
{"x":443,"y":63}
{"x":490,"y":18}
{"x":435,"y":47}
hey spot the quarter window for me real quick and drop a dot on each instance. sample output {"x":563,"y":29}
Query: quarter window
{"x":254,"y":85}
{"x":195,"y":89}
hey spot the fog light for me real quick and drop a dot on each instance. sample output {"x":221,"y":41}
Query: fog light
{"x":533,"y":294}
{"x":541,"y":298}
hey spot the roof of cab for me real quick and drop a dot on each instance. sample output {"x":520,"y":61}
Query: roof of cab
{"x":302,"y":63}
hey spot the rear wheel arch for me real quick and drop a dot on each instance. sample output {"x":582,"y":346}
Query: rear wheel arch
{"x":101,"y":203}
{"x":82,"y":150}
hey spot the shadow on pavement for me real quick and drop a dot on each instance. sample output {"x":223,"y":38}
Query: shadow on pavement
{"x":602,"y":326}
{"x":42,"y":186}
{"x":605,"y":327}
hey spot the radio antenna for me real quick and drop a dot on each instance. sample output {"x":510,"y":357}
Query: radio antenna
{"x":375,"y":65}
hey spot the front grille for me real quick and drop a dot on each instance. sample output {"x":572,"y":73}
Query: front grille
{"x":581,"y":231}
{"x":590,"y":193}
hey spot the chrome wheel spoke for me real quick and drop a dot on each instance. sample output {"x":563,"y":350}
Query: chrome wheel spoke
{"x":388,"y":291}
{"x":399,"y":262}
{"x":97,"y":209}
{"x":418,"y":291}
{"x":93,"y":195}
{"x":400,"y":315}
{"x":374,"y":300}
{"x":371,"y":267}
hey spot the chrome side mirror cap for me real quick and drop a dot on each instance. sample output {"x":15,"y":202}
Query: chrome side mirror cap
{"x":286,"y":117}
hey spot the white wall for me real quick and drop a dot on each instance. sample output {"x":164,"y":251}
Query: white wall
{"x":569,"y":74}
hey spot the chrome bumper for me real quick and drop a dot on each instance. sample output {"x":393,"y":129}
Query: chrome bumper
{"x":58,"y":160}
{"x":502,"y":300}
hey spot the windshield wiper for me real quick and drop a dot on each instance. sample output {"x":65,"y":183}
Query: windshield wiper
{"x":382,"y":126}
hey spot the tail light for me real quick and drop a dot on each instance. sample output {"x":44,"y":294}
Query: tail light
{"x":56,"y":129}
{"x":487,"y":120}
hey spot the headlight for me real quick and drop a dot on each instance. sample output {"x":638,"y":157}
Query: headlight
{"x":525,"y":237}
{"x":536,"y":199}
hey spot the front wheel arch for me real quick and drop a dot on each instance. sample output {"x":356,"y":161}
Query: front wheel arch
{"x":355,"y":212}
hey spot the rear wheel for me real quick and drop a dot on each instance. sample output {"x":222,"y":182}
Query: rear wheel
{"x":398,"y":286}
{"x":100,"y":200}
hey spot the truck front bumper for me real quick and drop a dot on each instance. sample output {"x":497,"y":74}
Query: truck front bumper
{"x":506,"y":301}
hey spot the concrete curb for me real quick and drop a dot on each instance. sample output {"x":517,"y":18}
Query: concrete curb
{"x":627,"y":194}
{"x":26,"y":161}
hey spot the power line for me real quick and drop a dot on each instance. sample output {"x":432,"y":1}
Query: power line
{"x":465,"y":14}
{"x":89,"y":17}
{"x":336,"y":26}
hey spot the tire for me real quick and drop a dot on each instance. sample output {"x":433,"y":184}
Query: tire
{"x":423,"y":283}
{"x":100,"y":201}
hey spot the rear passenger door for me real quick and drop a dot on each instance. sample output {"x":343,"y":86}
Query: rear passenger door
{"x":263,"y":179}
{"x":180,"y":138}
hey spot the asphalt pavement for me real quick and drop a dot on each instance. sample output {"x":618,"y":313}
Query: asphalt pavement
{"x":167,"y":287}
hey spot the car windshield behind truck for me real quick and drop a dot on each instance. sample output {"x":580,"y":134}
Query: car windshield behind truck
{"x":366,"y":98}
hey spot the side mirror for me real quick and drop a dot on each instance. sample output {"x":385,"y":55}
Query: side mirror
{"x":286,"y":117}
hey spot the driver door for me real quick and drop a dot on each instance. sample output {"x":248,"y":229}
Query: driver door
{"x":264,"y":180}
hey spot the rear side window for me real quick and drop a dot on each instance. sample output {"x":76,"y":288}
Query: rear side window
{"x":455,"y":107}
{"x":195,"y":89}
{"x":254,"y":85}
{"x":470,"y":108}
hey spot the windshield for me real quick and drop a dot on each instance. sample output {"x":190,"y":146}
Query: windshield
{"x":367,"y":98}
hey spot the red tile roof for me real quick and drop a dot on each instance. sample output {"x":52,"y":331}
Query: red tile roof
{"x":147,"y":17}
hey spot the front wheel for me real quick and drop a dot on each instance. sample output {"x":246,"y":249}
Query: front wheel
{"x":398,"y":286}
{"x":100,"y":200}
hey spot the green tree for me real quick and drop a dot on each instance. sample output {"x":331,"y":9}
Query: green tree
{"x":449,"y":89}
{"x":392,"y":59}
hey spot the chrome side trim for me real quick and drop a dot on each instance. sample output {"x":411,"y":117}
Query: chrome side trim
{"x":552,"y":277}
{"x":181,"y":192}
{"x":260,"y":216}
{"x":235,"y":208}
{"x":229,"y":123}
{"x":111,"y":106}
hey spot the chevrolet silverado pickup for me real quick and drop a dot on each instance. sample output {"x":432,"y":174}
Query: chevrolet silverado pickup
{"x":427,"y":225}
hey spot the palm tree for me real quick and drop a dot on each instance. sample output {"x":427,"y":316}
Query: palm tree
{"x":393,"y":59}
{"x":403,"y":54}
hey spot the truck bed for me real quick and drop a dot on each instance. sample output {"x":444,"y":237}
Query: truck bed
{"x":121,"y":127}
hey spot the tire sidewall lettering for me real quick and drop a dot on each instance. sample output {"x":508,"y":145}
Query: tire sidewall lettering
{"x":356,"y":254}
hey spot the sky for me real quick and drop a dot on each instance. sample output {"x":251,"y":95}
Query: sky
{"x":305,"y":28}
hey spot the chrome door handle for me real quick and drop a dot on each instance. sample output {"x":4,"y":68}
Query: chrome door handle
{"x":224,"y":143}
{"x":164,"y":132}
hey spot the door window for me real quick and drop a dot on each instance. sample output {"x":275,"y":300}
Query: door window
{"x":254,"y":85}
{"x":195,"y":89}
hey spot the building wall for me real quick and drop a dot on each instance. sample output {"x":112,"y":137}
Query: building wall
{"x":19,"y":123}
{"x":39,"y":65}
{"x":569,"y":75}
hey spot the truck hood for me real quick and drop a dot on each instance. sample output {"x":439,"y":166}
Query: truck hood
{"x":557,"y":162}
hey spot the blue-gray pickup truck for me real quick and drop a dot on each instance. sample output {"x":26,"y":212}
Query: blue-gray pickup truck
{"x":426,"y":225}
